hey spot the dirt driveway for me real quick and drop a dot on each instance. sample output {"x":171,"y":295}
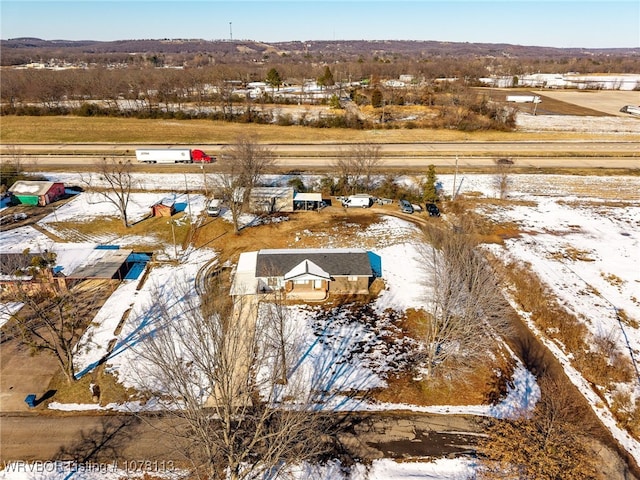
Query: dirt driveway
{"x":21,"y":374}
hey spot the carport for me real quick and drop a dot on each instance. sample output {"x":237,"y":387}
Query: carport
{"x":307,"y":201}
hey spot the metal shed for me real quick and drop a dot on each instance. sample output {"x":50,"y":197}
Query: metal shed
{"x":32,"y":192}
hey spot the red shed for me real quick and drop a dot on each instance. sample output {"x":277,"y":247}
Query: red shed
{"x":164,"y":208}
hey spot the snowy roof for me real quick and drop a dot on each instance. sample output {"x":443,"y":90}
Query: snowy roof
{"x":245,"y":281}
{"x":334,"y":262}
{"x":308,"y":197}
{"x":31,"y":187}
{"x":166,"y":202}
{"x":306,"y":270}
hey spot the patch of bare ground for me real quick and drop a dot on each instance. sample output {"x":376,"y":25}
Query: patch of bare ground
{"x":484,"y":383}
{"x":111,"y":391}
{"x":299,"y":230}
{"x":153,"y":231}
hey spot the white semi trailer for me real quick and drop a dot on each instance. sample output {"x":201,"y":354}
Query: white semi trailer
{"x":172,"y":155}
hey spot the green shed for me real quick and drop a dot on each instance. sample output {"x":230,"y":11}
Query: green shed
{"x":33,"y":192}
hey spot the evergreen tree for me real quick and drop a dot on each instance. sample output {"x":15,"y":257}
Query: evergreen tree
{"x":273,"y":78}
{"x":326,"y":79}
{"x":376,"y":98}
{"x":429,"y":190}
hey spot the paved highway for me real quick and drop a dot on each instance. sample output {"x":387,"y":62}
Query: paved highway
{"x":611,"y":154}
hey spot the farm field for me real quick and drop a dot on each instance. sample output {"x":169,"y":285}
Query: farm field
{"x":567,"y":112}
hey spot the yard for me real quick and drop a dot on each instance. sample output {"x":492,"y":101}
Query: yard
{"x":580,"y":235}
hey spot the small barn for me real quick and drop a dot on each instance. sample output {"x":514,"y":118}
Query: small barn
{"x":33,"y":192}
{"x":164,"y":208}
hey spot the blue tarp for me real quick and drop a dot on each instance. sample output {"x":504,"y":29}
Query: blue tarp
{"x":137,"y":263}
{"x":135,"y":271}
{"x":376,"y":264}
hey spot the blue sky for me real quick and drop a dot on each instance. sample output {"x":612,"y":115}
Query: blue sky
{"x":569,"y":23}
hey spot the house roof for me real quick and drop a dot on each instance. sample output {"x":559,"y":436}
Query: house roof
{"x":334,"y":262}
{"x":31,"y":187}
{"x":306,"y":270}
{"x":245,"y":281}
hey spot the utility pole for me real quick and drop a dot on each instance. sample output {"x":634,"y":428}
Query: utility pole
{"x":204,"y":180}
{"x":455,"y":174}
{"x":230,"y":33}
{"x":186,"y":189}
{"x":173,"y":234}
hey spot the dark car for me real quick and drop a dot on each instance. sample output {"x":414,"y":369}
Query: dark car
{"x":433,"y":210}
{"x":405,"y":206}
{"x":504,"y":161}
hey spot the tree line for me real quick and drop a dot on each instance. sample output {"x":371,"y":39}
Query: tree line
{"x":215,"y":94}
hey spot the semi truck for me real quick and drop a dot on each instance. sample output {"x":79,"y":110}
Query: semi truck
{"x":631,"y":109}
{"x":172,"y":155}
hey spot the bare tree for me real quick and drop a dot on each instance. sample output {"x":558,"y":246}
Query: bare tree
{"x":242,"y":165}
{"x":52,"y":319}
{"x":216,"y":363}
{"x":116,"y":183}
{"x":466,"y":309}
{"x":551,"y":443}
{"x":355,"y":166}
{"x":11,"y":169}
{"x":502,"y":178}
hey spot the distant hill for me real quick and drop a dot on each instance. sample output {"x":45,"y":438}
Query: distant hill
{"x":22,"y":50}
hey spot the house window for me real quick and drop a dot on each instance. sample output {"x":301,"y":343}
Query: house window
{"x":352,"y":278}
{"x":273,"y":282}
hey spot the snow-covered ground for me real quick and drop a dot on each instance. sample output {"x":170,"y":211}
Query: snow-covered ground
{"x":557,"y":215}
{"x":383,"y":469}
{"x":575,"y":123}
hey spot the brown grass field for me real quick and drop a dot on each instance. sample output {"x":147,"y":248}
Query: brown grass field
{"x":27,"y":130}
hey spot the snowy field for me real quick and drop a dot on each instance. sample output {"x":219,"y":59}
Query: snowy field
{"x":383,"y":469}
{"x":597,"y":216}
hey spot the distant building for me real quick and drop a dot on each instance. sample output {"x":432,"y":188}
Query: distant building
{"x":32,"y":192}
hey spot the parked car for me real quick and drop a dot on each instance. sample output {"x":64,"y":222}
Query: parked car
{"x":504,"y":161}
{"x":405,"y":206}
{"x":213,"y":208}
{"x":433,"y":210}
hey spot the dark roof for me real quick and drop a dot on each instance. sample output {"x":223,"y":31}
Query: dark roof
{"x":336,"y":262}
{"x":106,"y":267}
